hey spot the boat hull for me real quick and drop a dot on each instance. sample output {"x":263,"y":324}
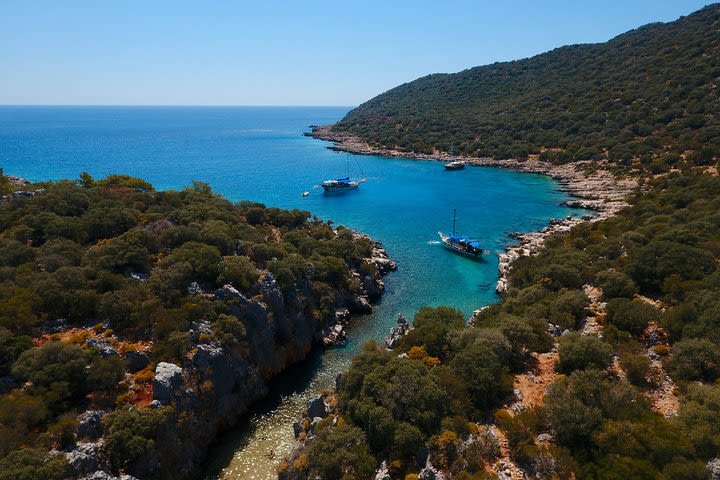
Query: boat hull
{"x":340,"y":188}
{"x":460,"y":251}
{"x":454,"y":166}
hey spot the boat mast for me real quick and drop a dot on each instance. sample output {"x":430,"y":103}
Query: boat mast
{"x":454,"y":212}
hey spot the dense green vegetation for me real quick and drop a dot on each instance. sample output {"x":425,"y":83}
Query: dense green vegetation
{"x":5,"y":186}
{"x":648,"y":97}
{"x":603,"y":426}
{"x":86,"y":265}
{"x":647,"y":102}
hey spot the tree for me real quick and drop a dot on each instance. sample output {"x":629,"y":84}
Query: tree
{"x":32,"y":464}
{"x":486,"y":378}
{"x":637,"y":368}
{"x":229,"y":330}
{"x":5,"y":186}
{"x":56,"y":370}
{"x":238,"y":271}
{"x":105,"y":373}
{"x":132,"y":433}
{"x":575,"y":406}
{"x":581,"y":352}
{"x":650,"y":265}
{"x":615,"y":284}
{"x":695,"y":359}
{"x":204,"y":260}
{"x":444,"y":449}
{"x":431,"y":328}
{"x":629,"y":315}
{"x":341,"y":452}
{"x":698,"y":417}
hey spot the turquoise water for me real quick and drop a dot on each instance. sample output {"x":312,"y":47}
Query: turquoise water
{"x":259,"y":154}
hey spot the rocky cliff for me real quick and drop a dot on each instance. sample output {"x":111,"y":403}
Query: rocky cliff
{"x":216,"y":384}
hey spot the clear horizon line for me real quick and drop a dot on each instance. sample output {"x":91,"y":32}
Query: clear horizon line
{"x":170,"y":105}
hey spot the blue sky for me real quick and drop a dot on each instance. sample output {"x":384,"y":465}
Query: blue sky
{"x":271,"y":52}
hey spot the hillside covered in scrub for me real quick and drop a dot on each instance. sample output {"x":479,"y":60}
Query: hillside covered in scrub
{"x":601,"y":362}
{"x":647,"y":98}
{"x":135,"y":323}
{"x":602,"y":359}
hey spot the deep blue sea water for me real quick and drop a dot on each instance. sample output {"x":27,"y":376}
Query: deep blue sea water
{"x":258,"y":153}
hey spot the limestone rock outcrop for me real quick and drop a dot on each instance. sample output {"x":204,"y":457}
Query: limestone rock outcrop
{"x":168,"y":378}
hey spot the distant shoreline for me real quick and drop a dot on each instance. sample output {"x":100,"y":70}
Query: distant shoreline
{"x":599,"y":191}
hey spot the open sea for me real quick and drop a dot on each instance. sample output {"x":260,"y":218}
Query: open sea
{"x":259,"y":153}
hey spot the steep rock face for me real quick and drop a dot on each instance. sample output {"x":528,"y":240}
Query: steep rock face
{"x":89,"y":424}
{"x":167,"y":379}
{"x":218,"y":382}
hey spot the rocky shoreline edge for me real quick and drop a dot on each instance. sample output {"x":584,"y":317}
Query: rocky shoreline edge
{"x":236,"y":383}
{"x":595,"y":189}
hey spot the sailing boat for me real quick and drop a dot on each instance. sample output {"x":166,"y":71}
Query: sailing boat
{"x":343,"y":184}
{"x":460,"y":244}
{"x":455,"y":165}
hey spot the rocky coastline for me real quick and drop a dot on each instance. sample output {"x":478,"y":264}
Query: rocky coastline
{"x":590,"y":184}
{"x":235,"y":382}
{"x":595,"y":189}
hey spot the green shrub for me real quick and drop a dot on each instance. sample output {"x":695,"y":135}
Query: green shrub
{"x":55,"y":369}
{"x":238,"y":271}
{"x":698,"y":418}
{"x":694,"y":359}
{"x":132,"y":433}
{"x":615,"y":284}
{"x":637,"y":368}
{"x":651,"y":265}
{"x":431,"y":329}
{"x":328,"y":461}
{"x":580,"y":352}
{"x":629,"y":315}
{"x":32,"y":464}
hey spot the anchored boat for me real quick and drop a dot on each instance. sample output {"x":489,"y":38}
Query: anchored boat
{"x":454,"y":165}
{"x":343,"y":184}
{"x":460,"y":244}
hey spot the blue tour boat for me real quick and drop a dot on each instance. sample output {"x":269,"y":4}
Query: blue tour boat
{"x":460,"y":244}
{"x":342,"y":184}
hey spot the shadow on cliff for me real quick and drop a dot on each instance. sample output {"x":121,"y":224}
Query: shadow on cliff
{"x":294,"y":380}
